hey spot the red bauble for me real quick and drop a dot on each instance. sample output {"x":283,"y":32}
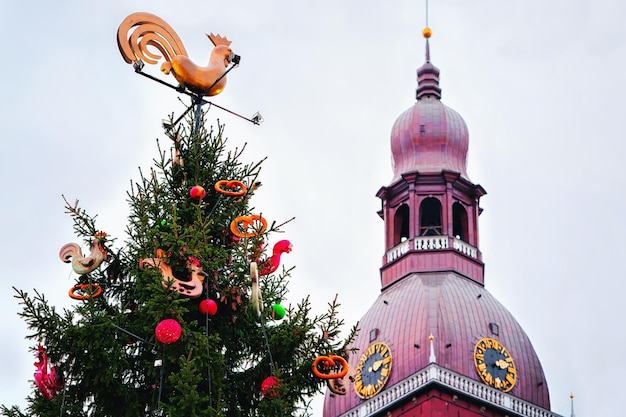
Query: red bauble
{"x":197,"y":192}
{"x":208,"y":307}
{"x":168,"y":331}
{"x":269,"y":386}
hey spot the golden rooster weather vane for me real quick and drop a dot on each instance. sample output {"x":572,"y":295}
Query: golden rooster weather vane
{"x":145,"y":38}
{"x":140,"y":32}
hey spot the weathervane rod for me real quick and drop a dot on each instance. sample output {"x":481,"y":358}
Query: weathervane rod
{"x":181,"y":89}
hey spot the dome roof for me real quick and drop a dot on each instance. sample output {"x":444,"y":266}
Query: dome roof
{"x":430,"y":136}
{"x":458,"y":313}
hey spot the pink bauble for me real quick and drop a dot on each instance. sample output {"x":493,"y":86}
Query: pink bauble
{"x":269,"y":386}
{"x":197,"y":192}
{"x":168,"y":331}
{"x":208,"y":307}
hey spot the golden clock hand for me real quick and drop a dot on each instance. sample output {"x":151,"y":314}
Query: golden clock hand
{"x":375,"y":366}
{"x":502,"y":364}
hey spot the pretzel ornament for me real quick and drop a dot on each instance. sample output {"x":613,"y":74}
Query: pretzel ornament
{"x":85,"y":291}
{"x":248,"y":226}
{"x":231,"y":188}
{"x":330,"y":367}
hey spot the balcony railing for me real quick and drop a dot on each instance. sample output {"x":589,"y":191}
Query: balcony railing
{"x":433,"y":373}
{"x":398,"y":251}
{"x":465,"y":248}
{"x":431,"y":243}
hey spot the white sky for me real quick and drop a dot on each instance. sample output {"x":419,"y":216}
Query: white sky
{"x":540,"y":85}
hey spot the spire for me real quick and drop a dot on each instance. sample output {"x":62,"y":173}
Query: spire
{"x":571,"y":397}
{"x":428,"y":74}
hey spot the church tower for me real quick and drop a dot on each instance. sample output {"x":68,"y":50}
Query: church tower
{"x":436,"y":343}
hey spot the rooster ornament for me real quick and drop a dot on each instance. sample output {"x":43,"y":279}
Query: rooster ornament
{"x":191,"y":288}
{"x":72,"y":253}
{"x":271,"y":264}
{"x":48,"y":379}
{"x":139,"y":31}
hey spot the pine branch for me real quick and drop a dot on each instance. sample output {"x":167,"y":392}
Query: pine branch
{"x":14,"y":411}
{"x":84,"y":225}
{"x":39,"y":315}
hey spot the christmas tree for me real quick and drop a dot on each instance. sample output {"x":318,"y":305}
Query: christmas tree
{"x":184,"y":317}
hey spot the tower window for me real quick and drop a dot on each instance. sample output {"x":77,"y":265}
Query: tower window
{"x":401,"y":224}
{"x":494,"y":329}
{"x":459,"y":222}
{"x":373,"y":335}
{"x":430,"y":217}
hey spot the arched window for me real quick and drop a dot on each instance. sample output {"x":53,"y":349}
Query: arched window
{"x":401,"y":224}
{"x":430,"y":217}
{"x":459,"y":222}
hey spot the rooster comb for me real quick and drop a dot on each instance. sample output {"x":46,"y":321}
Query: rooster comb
{"x":219,"y":40}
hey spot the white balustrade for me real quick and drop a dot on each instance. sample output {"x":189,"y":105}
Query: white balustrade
{"x":465,"y":248}
{"x":430,"y":242}
{"x":397,"y":251}
{"x":450,"y":379}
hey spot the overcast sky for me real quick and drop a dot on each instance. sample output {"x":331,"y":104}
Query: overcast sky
{"x":539,"y":84}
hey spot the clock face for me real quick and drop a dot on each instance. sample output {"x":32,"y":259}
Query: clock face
{"x":494,"y":364}
{"x":372,"y":371}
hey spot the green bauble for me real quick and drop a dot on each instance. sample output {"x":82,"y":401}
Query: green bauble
{"x":278,"y":311}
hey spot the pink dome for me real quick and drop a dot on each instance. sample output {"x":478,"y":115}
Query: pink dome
{"x":429,"y":137}
{"x":457,"y":312}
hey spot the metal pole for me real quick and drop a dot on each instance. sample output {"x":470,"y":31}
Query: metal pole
{"x":198,"y":118}
{"x":208,"y":352}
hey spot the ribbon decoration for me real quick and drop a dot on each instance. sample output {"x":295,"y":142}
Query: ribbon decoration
{"x":330,"y":367}
{"x":255,"y":293}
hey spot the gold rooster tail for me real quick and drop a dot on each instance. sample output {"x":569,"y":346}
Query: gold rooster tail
{"x":149,"y":30}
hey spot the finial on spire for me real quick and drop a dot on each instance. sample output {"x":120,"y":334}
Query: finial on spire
{"x":571,"y":397}
{"x":427,"y":74}
{"x":432,"y":358}
{"x":427,"y":33}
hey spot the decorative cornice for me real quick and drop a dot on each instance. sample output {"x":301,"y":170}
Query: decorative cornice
{"x":435,"y":374}
{"x":420,"y":178}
